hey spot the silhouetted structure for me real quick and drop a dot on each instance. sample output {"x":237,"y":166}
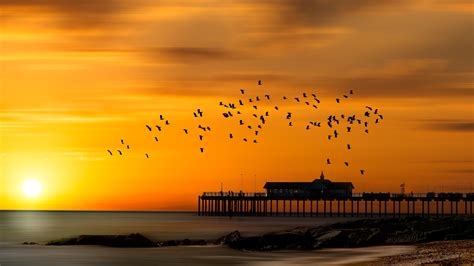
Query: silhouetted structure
{"x":318,"y":198}
{"x":319,"y":187}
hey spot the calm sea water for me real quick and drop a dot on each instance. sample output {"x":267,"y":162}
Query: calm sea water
{"x":42,"y":226}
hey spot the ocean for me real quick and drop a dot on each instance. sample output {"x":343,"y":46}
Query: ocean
{"x":17,"y":227}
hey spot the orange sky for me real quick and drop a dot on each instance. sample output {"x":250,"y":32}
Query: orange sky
{"x":78,"y":76}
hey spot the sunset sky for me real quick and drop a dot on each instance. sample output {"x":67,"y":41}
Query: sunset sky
{"x":78,"y":76}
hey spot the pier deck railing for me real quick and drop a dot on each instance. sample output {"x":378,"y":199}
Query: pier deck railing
{"x":356,"y":204}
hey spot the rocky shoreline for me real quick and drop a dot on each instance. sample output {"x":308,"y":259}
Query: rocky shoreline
{"x":356,"y":233}
{"x":362,"y":233}
{"x":123,"y":241}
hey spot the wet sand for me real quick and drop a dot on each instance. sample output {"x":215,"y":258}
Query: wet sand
{"x":206,"y":255}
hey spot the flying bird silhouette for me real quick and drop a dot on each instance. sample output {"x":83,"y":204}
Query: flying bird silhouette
{"x":120,"y":152}
{"x":110,"y":152}
{"x":149,"y":128}
{"x":259,"y":82}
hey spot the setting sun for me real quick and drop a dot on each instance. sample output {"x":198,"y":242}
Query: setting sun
{"x":32,"y":188}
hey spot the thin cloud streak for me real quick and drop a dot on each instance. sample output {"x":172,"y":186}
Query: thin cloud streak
{"x":466,"y":126}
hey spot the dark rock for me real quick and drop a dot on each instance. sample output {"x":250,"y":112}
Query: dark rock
{"x":274,"y":241}
{"x":132,"y":240}
{"x":188,"y":242}
{"x":184,"y":242}
{"x":364,"y":232}
{"x":327,"y":239}
{"x":365,"y":237}
{"x":170,"y":243}
{"x":199,"y":242}
{"x":228,"y":239}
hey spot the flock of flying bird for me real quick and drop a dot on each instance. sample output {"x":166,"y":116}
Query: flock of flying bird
{"x":235,"y":111}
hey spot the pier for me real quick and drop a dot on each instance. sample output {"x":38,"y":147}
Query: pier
{"x":368,"y":204}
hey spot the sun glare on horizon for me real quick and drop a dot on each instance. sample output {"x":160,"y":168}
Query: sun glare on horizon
{"x":31,"y":188}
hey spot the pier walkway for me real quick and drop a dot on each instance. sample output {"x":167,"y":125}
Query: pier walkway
{"x":359,"y":204}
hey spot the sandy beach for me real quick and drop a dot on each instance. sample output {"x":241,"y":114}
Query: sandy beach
{"x":460,"y":252}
